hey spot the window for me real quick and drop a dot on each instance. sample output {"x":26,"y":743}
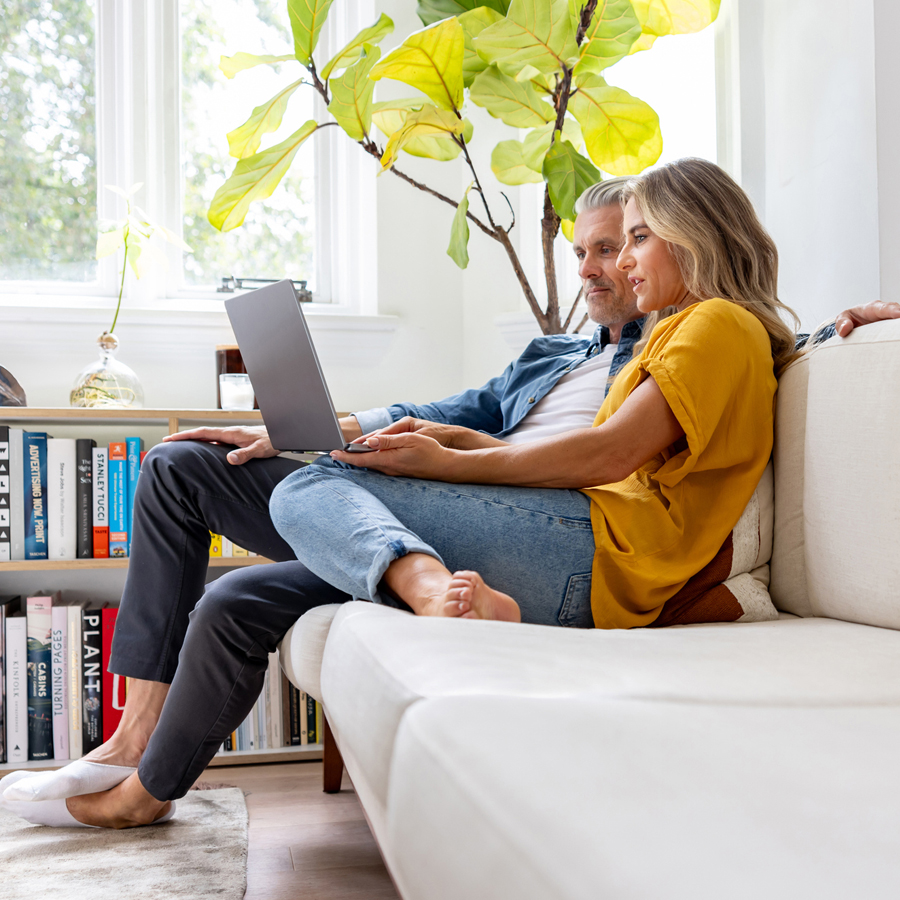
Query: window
{"x":125,"y":91}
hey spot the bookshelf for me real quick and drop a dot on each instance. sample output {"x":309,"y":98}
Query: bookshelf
{"x":151,"y":424}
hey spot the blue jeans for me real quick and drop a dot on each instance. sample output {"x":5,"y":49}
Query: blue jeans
{"x":348,"y":524}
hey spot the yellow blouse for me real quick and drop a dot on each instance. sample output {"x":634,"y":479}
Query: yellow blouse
{"x":661,"y":525}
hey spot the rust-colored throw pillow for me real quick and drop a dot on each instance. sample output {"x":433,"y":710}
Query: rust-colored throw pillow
{"x":734,"y":586}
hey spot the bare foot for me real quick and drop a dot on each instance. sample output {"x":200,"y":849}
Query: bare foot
{"x":468,"y":597}
{"x":127,"y":805}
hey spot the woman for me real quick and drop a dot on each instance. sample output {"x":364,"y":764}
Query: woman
{"x":599,"y":526}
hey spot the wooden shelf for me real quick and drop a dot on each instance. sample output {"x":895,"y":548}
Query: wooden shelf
{"x":58,"y":565}
{"x":232,"y":758}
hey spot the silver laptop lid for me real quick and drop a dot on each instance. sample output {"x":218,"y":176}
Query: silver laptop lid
{"x":284,"y":369}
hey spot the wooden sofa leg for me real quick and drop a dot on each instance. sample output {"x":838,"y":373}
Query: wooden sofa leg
{"x":333,"y":763}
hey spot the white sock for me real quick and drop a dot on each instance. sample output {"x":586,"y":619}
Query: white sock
{"x":79,"y":777}
{"x":54,"y":813}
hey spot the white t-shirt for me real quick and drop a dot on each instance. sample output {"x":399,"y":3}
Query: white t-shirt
{"x":573,"y":402}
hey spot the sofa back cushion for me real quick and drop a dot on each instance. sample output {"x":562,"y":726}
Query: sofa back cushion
{"x":836,"y":553}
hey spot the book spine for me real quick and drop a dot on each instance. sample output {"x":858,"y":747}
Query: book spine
{"x":8,"y":607}
{"x":84,"y":498}
{"x":5,"y":512}
{"x":215,"y":545}
{"x":295,"y":716}
{"x":113,"y":685}
{"x":59,"y":670}
{"x":133,"y":454}
{"x":227,"y":548}
{"x":61,"y":518}
{"x":118,"y":500}
{"x":73,"y":640}
{"x":100,"y":467}
{"x":237,"y":551}
{"x":34,"y":448}
{"x":91,"y":655}
{"x":16,"y":494}
{"x":311,"y":734}
{"x":276,"y":731}
{"x":17,"y":689}
{"x":320,"y":730}
{"x":40,"y":705}
{"x":304,"y":719}
{"x":285,"y":711}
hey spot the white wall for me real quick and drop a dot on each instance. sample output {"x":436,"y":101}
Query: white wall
{"x":810,"y":151}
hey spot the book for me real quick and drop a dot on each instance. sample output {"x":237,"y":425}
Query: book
{"x":100,"y":516}
{"x":5,"y":514}
{"x":227,"y":548}
{"x":38,"y":613}
{"x":294,"y":706}
{"x":285,"y":711}
{"x":320,"y":732}
{"x":61,"y":490}
{"x":34,"y":469}
{"x":91,"y":681}
{"x":17,"y":689}
{"x":311,"y":734}
{"x":304,"y":719}
{"x":73,"y":641}
{"x":59,"y":668}
{"x":276,"y":730}
{"x":237,"y":551}
{"x":16,"y":494}
{"x":133,"y":457}
{"x":118,"y":500}
{"x":215,"y":545}
{"x":84,"y":528}
{"x":9,"y":606}
{"x":113,"y":691}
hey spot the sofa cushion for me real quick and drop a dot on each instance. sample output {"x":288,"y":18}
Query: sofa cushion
{"x":379,"y":661}
{"x":574,"y":799}
{"x":301,"y":649}
{"x":851,"y":493}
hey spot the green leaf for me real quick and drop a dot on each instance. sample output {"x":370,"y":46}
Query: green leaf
{"x":133,"y":255}
{"x":661,"y":17}
{"x":621,"y":132}
{"x":430,"y":61}
{"x":231,"y":65}
{"x":473,"y":23}
{"x":516,"y":104}
{"x":109,"y":242}
{"x":425,"y":122}
{"x":254,"y":178}
{"x":538,"y":33}
{"x":245,"y":140}
{"x":537,"y":143}
{"x":458,"y":250}
{"x":567,"y":227}
{"x":568,"y":174}
{"x":350,"y":53}
{"x":431,"y":11}
{"x":307,"y":18}
{"x":390,"y":117}
{"x":613,"y":29}
{"x":509,"y":167}
{"x":351,"y":95}
{"x":122,"y":192}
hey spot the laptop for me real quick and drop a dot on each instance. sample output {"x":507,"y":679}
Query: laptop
{"x":278,"y":351}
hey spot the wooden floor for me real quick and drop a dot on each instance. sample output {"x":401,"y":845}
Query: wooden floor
{"x":304,"y":844}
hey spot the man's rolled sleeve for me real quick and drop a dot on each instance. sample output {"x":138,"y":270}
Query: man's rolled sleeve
{"x":373,"y":419}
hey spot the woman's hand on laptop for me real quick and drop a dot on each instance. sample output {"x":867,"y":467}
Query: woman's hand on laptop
{"x":453,"y":436}
{"x":251,"y":441}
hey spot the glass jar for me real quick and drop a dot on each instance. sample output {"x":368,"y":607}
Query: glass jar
{"x":107,"y":382}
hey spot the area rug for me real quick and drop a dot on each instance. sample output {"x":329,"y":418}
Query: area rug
{"x":201,"y":853}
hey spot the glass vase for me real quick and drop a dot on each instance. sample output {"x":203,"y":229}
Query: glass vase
{"x":107,"y":382}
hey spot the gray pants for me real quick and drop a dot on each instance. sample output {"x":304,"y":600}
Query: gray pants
{"x":211,"y":645}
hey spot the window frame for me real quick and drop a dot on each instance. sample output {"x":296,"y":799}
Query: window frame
{"x":138,"y":107}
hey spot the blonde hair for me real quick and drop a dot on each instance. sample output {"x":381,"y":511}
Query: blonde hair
{"x":721,"y":248}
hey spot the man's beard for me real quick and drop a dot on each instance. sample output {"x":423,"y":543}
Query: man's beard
{"x":613,"y":309}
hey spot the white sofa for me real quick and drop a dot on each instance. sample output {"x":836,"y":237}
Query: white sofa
{"x":736,"y":760}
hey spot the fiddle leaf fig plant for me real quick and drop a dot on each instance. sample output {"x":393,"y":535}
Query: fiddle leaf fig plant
{"x":537,"y":65}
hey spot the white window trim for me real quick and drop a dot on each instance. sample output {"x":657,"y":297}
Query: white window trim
{"x":138,"y":91}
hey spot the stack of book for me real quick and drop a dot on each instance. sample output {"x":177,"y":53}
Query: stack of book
{"x":65,"y":498}
{"x":220,"y":547}
{"x":58,"y":701}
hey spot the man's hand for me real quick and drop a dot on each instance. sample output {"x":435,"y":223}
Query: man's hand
{"x":411,"y":454}
{"x":252,"y":441}
{"x":876,"y":311}
{"x":454,"y":437}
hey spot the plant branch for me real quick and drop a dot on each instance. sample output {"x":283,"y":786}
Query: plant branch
{"x":586,"y":15}
{"x":581,"y":324}
{"x":572,"y":310}
{"x":478,"y":187}
{"x":317,"y":82}
{"x":549,"y":230}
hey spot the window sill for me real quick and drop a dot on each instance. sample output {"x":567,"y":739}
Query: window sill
{"x":341,"y":336}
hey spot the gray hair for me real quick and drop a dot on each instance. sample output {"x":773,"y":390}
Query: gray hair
{"x":602,"y":194}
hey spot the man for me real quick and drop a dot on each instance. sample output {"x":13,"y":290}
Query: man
{"x":191,"y":485}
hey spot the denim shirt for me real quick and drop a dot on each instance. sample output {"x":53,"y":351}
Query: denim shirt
{"x":501,"y":404}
